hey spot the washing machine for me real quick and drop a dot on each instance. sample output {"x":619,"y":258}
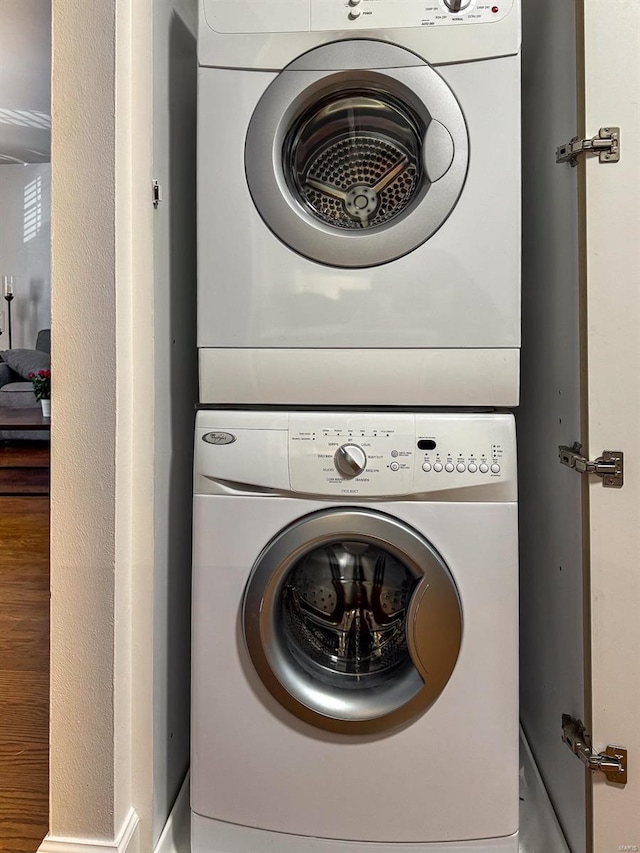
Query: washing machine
{"x":355,"y":633}
{"x":359,"y":202}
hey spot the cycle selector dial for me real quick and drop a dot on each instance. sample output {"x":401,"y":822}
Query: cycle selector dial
{"x":350,"y":460}
{"x":457,"y":5}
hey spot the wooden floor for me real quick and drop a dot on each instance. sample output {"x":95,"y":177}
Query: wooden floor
{"x":24,"y":649}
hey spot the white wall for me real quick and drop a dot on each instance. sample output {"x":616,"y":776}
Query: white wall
{"x":25,"y":240}
{"x":102,"y":545}
{"x":122,"y":428}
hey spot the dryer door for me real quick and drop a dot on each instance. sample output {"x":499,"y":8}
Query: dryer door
{"x":357,"y":153}
{"x":352,"y":620}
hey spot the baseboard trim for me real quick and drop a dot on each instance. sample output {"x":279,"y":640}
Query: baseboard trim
{"x":176,"y":835}
{"x":126,"y":841}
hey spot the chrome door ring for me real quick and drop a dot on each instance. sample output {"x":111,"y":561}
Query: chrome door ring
{"x":434,"y":626}
{"x":329,"y":71}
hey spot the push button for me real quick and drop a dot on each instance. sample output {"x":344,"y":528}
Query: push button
{"x":395,"y":466}
{"x":354,"y":14}
{"x":495,"y":468}
{"x":426,"y":466}
{"x":460,"y":467}
{"x":449,"y":467}
{"x":438,"y":466}
{"x":472,"y":468}
{"x":484,"y":468}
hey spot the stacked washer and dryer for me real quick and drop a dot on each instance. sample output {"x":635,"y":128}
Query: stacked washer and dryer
{"x":355,"y":613}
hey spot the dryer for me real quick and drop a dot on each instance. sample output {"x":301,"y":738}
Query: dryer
{"x":359,"y":202}
{"x":355,"y":633}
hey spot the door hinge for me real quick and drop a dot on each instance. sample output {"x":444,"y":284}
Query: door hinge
{"x":606,"y":144}
{"x":157,"y":194}
{"x":612,"y":761}
{"x":609,"y":466}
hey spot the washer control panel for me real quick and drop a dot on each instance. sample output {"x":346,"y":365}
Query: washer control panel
{"x":338,"y":454}
{"x":384,"y":454}
{"x":289,"y":16}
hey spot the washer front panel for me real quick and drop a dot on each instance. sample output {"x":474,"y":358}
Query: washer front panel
{"x":256,"y":764}
{"x":207,"y":834}
{"x":356,"y":168}
{"x":352,"y":621}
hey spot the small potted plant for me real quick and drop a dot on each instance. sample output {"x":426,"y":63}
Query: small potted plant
{"x":41,"y":382}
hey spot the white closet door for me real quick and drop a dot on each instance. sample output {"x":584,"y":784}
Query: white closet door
{"x":612,"y":372}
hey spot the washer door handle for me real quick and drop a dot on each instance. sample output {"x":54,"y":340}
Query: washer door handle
{"x":438,"y":151}
{"x":434,"y":630}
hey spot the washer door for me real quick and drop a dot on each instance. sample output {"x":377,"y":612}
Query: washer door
{"x":352,"y":621}
{"x":357,"y":153}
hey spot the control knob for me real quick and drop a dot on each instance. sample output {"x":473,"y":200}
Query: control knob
{"x":457,"y":5}
{"x":350,"y":460}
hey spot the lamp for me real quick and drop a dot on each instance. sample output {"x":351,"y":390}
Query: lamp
{"x":7,"y":284}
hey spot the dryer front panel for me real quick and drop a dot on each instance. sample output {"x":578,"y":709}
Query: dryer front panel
{"x":352,"y":621}
{"x":460,"y":289}
{"x":356,"y":154}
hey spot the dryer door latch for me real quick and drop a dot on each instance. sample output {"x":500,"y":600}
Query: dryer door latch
{"x":606,"y":144}
{"x":609,"y":466}
{"x":157,"y":194}
{"x":612,"y":762}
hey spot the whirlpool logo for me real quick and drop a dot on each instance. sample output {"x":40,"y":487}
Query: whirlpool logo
{"x":219,"y":438}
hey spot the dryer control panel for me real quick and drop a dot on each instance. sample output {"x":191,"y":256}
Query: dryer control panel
{"x":389,"y":14}
{"x":290,"y":16}
{"x":270,"y":34}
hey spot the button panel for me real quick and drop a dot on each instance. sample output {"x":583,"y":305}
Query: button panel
{"x":387,"y":454}
{"x":466,"y":457}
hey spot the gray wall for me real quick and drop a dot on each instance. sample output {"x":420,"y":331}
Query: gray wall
{"x":175,"y":27}
{"x":552,"y":660}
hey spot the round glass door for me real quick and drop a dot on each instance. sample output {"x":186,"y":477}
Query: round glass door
{"x":356,"y":153}
{"x":352,"y":621}
{"x":355,"y":160}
